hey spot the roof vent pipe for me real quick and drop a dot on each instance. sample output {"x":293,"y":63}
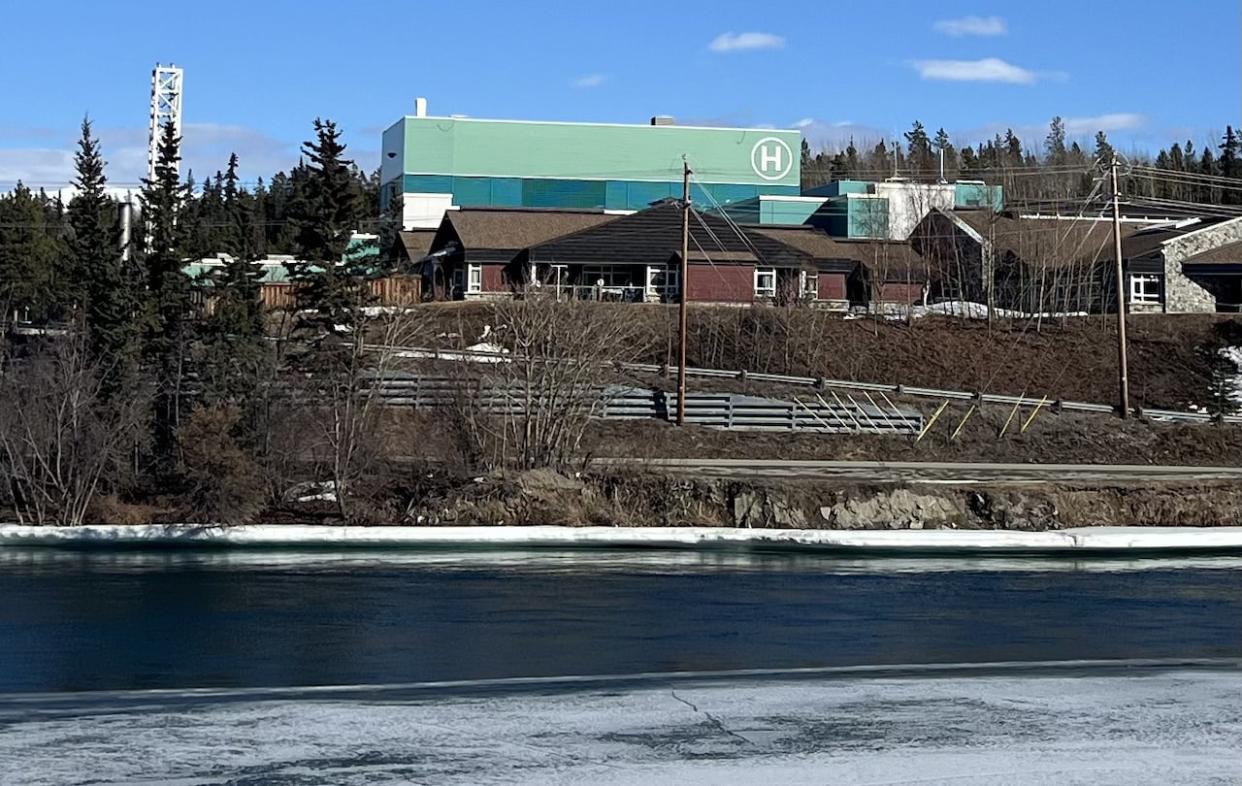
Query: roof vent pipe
{"x":420,"y":107}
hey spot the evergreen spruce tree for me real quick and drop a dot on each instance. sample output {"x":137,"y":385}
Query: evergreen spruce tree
{"x":942,"y":145}
{"x":96,"y":277}
{"x":391,"y":249}
{"x":235,"y":353}
{"x":168,"y":324}
{"x":1207,"y":166}
{"x":970,"y":162}
{"x":323,"y":219}
{"x":853,"y":162}
{"x":1193,"y":192}
{"x":1103,"y":149}
{"x":1230,"y":165}
{"x":30,"y":250}
{"x":879,"y":163}
{"x":1012,"y":149}
{"x":1054,"y":145}
{"x":920,"y":151}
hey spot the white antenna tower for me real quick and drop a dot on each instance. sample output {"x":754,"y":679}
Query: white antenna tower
{"x":166,"y":94}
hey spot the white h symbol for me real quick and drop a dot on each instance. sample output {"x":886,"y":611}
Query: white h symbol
{"x":769,"y":156}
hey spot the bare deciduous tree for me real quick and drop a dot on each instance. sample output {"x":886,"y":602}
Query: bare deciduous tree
{"x":532,"y":409}
{"x":58,"y":435}
{"x":343,"y":401}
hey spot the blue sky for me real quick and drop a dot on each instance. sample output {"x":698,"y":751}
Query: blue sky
{"x":258,"y":72}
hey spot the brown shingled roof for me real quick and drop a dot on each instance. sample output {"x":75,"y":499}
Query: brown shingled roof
{"x":499,"y":229}
{"x":1045,"y":241}
{"x":417,"y":242}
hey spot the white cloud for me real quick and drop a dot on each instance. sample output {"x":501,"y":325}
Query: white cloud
{"x":590,"y":80}
{"x":989,"y":69}
{"x":805,"y":122}
{"x":836,"y":135}
{"x":972,"y":25}
{"x":1117,"y":121}
{"x":740,"y":42}
{"x":35,"y":166}
{"x":205,"y":149}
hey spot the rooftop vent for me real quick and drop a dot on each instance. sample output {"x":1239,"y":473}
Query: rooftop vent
{"x":420,"y":107}
{"x":663,"y":120}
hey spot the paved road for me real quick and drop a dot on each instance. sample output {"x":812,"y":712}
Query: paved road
{"x":930,"y":472}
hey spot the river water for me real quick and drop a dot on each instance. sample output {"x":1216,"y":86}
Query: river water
{"x":618,"y":667}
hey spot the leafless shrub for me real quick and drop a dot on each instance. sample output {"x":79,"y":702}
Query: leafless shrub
{"x":341,"y":435}
{"x":532,"y":409}
{"x":59,"y":436}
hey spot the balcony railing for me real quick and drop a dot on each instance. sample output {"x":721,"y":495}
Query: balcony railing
{"x":612,"y":294}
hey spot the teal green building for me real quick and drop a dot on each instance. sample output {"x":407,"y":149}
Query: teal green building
{"x":436,"y":163}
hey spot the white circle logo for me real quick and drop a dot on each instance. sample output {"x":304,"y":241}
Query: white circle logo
{"x":771,"y":158}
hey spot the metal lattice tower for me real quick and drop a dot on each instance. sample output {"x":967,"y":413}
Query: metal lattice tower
{"x":165,"y":108}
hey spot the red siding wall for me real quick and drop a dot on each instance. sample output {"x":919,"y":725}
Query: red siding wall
{"x":494,"y":278}
{"x":721,"y":283}
{"x":832,"y":286}
{"x":899,"y":292}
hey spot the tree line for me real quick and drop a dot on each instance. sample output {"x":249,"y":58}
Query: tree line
{"x":127,"y":376}
{"x":1056,"y":168}
{"x":50,"y":249}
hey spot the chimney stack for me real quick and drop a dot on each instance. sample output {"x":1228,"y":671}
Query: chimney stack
{"x":420,"y":107}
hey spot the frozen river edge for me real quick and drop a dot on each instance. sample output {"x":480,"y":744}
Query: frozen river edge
{"x":1078,"y":540}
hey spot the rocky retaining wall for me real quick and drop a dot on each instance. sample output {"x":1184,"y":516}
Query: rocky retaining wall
{"x":653,"y":500}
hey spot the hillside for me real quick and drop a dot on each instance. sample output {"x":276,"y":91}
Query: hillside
{"x":1173,"y":358}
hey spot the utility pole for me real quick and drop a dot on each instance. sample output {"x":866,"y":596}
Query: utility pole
{"x":1122,"y":364}
{"x":683,"y":275}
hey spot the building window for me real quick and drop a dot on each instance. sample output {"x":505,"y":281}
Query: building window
{"x":475,"y":280}
{"x":1144,"y":289}
{"x":662,"y":280}
{"x":765,"y":282}
{"x":607,"y":276}
{"x":810,"y":284}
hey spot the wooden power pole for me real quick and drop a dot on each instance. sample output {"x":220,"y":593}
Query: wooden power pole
{"x":683,"y":275}
{"x":1122,"y":363}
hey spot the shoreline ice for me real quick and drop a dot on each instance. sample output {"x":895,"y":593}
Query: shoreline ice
{"x":1077,"y":540}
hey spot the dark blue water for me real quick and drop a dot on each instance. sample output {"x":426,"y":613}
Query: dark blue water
{"x":107,"y":621}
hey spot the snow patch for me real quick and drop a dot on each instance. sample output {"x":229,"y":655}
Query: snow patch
{"x":1234,"y":383}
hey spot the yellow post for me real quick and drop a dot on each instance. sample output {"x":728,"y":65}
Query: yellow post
{"x":1029,"y":420}
{"x":1012,"y":414}
{"x":961,"y":425}
{"x":931,"y":422}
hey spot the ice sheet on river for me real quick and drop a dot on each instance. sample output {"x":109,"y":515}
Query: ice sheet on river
{"x":1084,"y":539}
{"x":1081,"y":728}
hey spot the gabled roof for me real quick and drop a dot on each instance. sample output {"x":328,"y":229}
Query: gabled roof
{"x":417,"y":242}
{"x":1043,"y":241}
{"x":827,"y":252}
{"x":653,"y":236}
{"x":498,"y":234}
{"x":885,"y":260}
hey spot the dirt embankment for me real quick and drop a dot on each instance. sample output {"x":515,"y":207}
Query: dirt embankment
{"x":1173,"y":358}
{"x":1050,"y":439}
{"x":639,"y":499}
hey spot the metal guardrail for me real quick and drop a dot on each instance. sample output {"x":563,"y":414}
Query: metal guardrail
{"x":716,"y":410}
{"x":820,"y":383}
